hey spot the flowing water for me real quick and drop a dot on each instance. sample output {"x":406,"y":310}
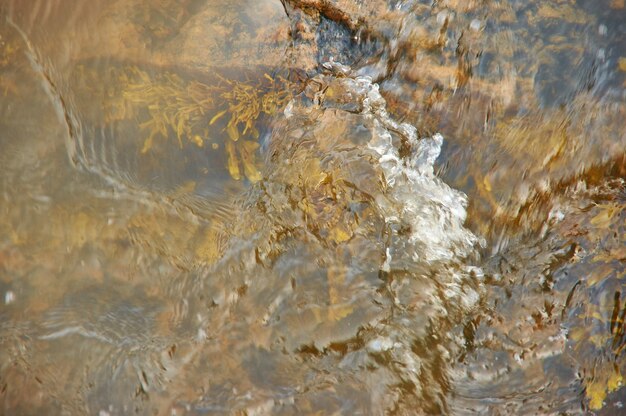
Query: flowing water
{"x":312,"y":207}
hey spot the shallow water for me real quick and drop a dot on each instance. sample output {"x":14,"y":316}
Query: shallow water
{"x":218,"y":207}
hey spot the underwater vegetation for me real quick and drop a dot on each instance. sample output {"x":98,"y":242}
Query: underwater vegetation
{"x":226,"y":112}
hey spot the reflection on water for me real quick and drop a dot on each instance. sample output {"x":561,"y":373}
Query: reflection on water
{"x":204,"y":212}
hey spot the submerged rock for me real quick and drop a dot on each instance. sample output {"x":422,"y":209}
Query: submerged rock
{"x":344,"y":279}
{"x":345,"y":269}
{"x":356,"y":254}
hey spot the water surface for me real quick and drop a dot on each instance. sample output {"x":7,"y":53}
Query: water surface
{"x":199,"y":217}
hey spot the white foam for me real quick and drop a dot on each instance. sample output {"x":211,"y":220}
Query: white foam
{"x":434,"y":212}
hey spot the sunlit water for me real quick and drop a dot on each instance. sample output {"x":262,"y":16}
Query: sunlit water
{"x":204,"y":212}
